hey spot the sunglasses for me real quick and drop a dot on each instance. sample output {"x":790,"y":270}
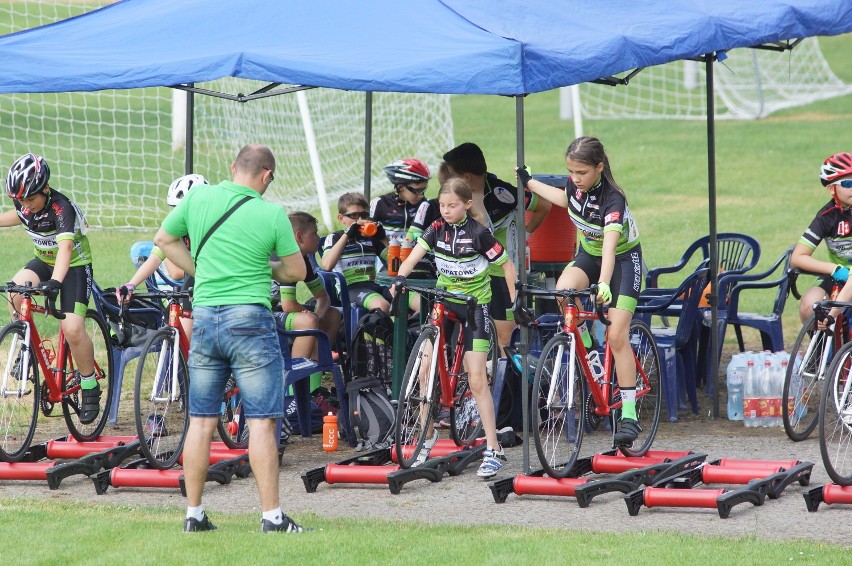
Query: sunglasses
{"x":271,"y":174}
{"x":845,"y":183}
{"x":356,"y":215}
{"x":415,"y":190}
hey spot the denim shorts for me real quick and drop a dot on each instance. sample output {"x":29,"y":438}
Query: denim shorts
{"x":238,"y":339}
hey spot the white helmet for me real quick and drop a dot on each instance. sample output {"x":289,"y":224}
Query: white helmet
{"x":181,"y":186}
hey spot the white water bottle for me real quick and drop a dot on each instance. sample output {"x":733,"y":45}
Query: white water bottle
{"x":594,"y":359}
{"x":750,"y":396}
{"x":736,"y":383}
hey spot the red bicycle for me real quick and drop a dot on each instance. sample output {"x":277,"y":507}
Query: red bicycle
{"x":161,"y":392}
{"x":435,"y":381}
{"x":568,"y":399}
{"x":23,"y":353}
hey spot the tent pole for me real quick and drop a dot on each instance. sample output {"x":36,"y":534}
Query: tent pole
{"x":368,"y":143}
{"x":189,"y":156}
{"x":523,"y":345}
{"x":714,"y":252}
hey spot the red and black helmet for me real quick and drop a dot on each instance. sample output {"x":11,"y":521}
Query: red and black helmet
{"x":406,"y":171}
{"x":27,"y":176}
{"x":837,"y":166}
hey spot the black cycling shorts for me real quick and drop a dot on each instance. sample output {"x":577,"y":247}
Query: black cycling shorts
{"x":626,"y":275}
{"x":361,"y":293}
{"x":76,"y":288}
{"x":474,"y":341}
{"x":501,"y":302}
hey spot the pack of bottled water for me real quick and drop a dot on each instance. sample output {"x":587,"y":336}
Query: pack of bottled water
{"x":755,"y":383}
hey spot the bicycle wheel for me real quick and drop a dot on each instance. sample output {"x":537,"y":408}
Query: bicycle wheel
{"x":414,"y":410}
{"x":835,"y":418}
{"x":19,"y":393}
{"x":465,"y":424}
{"x":559,"y":391}
{"x":161,"y":400}
{"x":648,"y":398}
{"x":801,"y":395}
{"x":232,"y":426}
{"x":98,"y":333}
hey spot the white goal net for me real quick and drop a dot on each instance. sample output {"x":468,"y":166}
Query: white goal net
{"x":112,"y":151}
{"x":749,"y":84}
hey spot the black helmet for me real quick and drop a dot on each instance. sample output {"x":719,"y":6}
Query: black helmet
{"x":27,"y":176}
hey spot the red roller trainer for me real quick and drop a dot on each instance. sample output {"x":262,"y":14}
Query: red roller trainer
{"x":341,"y":473}
{"x":120,"y":477}
{"x":833,"y":493}
{"x":733,"y":475}
{"x":786,"y":464}
{"x":606,"y":464}
{"x":25,"y":470}
{"x":72,"y":450}
{"x":662,"y":497}
{"x":536,"y":485}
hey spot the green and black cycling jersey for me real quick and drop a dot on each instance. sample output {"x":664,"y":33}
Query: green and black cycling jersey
{"x":287,"y":291}
{"x":463,"y":254}
{"x":500,"y":202}
{"x":358,"y":261}
{"x":400,"y":218}
{"x":599,"y":210}
{"x":59,"y":220}
{"x":834,"y":225}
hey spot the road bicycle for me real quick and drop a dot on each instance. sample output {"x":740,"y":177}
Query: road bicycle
{"x":161,"y":390}
{"x":800,"y":398}
{"x":432,"y":382}
{"x":567,"y":400}
{"x":23,"y":354}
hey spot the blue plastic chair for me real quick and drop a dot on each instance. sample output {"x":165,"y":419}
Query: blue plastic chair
{"x":153,"y":314}
{"x":738,"y":253}
{"x":297,"y":372}
{"x":677,"y":346}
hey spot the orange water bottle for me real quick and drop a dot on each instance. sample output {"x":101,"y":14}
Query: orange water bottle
{"x":393,"y":257}
{"x":368,"y":229}
{"x":329,"y":432}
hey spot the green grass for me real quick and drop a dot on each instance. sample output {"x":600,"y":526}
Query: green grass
{"x":146,"y":535}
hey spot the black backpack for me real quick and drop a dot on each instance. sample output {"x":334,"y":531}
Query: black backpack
{"x":371,"y":412}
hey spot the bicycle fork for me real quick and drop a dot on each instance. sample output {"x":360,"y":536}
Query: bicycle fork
{"x":16,"y":364}
{"x":170,"y":378}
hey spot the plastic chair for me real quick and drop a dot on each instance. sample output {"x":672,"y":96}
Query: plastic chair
{"x":122,"y":355}
{"x":335,"y":286}
{"x":677,"y":345}
{"x":738,"y":253}
{"x":139,"y":253}
{"x":769,"y":325}
{"x":297,"y":372}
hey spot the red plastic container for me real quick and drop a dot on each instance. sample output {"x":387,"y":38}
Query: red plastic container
{"x":555,"y":240}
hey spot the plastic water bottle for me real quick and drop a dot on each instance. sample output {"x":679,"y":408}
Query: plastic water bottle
{"x":594,"y":359}
{"x":393,"y":256}
{"x":736,"y":381}
{"x":584,"y":335}
{"x":751,"y":401}
{"x":776,"y":391}
{"x":329,"y":432}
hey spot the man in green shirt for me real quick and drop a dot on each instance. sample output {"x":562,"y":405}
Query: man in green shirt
{"x":233,"y":330}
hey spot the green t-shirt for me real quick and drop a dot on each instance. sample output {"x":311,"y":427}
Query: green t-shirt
{"x":233,"y":267}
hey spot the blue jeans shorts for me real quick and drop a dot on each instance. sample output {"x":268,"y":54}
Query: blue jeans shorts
{"x":238,"y":339}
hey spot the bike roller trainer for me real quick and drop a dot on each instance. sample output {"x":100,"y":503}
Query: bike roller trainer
{"x":758,"y":477}
{"x":629,"y":471}
{"x":85,"y":458}
{"x":137,"y":474}
{"x":830,"y":494}
{"x":377,"y":467}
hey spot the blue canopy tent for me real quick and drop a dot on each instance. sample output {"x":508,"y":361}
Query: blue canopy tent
{"x":502,"y":47}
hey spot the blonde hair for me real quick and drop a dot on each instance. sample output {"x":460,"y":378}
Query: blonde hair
{"x":459,"y":187}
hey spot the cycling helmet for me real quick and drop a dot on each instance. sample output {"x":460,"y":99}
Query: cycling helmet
{"x":27,"y":176}
{"x":406,"y":171}
{"x":837,"y":166}
{"x":181,"y":186}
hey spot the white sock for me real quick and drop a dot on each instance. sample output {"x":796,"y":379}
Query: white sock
{"x":275,"y":516}
{"x":196,"y":513}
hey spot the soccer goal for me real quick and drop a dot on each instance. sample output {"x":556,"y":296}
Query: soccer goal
{"x":116,"y":152}
{"x":749,"y":84}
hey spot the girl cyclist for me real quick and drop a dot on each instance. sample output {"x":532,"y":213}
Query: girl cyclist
{"x":832,"y":223}
{"x":464,"y":250}
{"x":610,"y":255}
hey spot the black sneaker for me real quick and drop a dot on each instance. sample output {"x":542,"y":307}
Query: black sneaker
{"x":193,"y":525}
{"x":628,"y":431}
{"x":288,"y":525}
{"x":91,"y":405}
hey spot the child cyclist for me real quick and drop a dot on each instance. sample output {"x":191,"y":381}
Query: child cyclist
{"x":464,"y":250}
{"x":832,"y":223}
{"x":609,"y":255}
{"x":62,"y":261}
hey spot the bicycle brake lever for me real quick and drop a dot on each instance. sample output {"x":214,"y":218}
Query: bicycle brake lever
{"x":50,"y":308}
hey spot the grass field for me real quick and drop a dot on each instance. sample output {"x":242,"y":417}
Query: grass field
{"x":767,"y":187}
